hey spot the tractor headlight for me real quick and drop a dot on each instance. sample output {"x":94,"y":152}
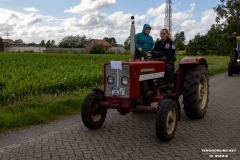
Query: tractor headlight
{"x":110,"y":80}
{"x":125,"y":80}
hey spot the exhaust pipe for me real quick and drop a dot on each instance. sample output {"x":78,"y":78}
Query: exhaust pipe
{"x":132,"y":40}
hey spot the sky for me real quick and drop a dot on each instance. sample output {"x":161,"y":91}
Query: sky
{"x":37,"y":20}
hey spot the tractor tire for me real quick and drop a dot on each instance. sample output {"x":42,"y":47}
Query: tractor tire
{"x":196,"y":92}
{"x":230,"y":69}
{"x":166,"y":121}
{"x":93,"y":116}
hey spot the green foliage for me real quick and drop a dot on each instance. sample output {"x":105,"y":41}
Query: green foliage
{"x":127,"y":43}
{"x":229,"y":10}
{"x":179,"y":40}
{"x":97,"y":49}
{"x":42,"y":43}
{"x":111,"y":40}
{"x":73,"y":42}
{"x":24,"y":74}
{"x":219,"y":39}
{"x":50,"y":44}
{"x":19,"y":41}
{"x":1,"y":44}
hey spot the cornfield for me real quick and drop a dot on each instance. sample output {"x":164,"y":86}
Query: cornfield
{"x":24,"y":74}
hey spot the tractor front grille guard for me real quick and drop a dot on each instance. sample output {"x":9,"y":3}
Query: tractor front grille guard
{"x":117,"y":88}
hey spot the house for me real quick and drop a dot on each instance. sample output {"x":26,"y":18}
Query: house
{"x":7,"y":42}
{"x":91,"y":43}
{"x":118,"y":49}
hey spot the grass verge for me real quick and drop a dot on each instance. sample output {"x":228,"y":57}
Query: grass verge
{"x":41,"y":109}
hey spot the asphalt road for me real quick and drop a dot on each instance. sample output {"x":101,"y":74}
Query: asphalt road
{"x":216,"y":136}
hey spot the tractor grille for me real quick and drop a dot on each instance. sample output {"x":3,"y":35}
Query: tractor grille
{"x":117,"y":88}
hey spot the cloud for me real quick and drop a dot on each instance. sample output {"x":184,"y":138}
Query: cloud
{"x":208,"y":16}
{"x":192,"y":7}
{"x":34,"y":27}
{"x":31,"y":9}
{"x":87,"y":6}
{"x":157,"y":11}
{"x":188,"y":23}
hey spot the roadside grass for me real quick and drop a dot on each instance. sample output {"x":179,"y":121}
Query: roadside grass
{"x":40,"y":109}
{"x":43,"y":108}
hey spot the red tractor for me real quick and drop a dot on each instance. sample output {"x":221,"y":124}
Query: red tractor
{"x":139,"y":86}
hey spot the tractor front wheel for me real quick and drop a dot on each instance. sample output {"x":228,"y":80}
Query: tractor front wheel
{"x":93,"y":115}
{"x":166,"y":121}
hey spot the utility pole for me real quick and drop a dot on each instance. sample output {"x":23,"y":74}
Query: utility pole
{"x":7,"y":34}
{"x":168,"y":16}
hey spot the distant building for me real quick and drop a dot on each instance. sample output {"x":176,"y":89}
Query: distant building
{"x":91,"y":43}
{"x":118,"y":49}
{"x":7,"y":42}
{"x":10,"y":46}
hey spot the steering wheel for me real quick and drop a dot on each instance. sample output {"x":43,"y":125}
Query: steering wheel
{"x":159,"y":56}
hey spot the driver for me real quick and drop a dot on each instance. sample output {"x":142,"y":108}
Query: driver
{"x":166,"y":46}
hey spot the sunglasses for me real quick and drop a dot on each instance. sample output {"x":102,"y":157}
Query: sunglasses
{"x":162,"y":33}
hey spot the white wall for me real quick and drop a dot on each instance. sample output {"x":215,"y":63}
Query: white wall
{"x":24,"y":48}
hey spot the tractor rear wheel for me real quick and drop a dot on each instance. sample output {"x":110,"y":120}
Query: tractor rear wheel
{"x":195,"y":92}
{"x":93,"y":115}
{"x":166,"y":121}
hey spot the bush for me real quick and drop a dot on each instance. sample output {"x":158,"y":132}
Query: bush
{"x":97,"y":49}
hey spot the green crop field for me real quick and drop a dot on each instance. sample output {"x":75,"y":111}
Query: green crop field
{"x":23,"y":74}
{"x":41,"y":87}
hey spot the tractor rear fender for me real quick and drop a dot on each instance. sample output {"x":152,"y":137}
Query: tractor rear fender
{"x":184,"y":65}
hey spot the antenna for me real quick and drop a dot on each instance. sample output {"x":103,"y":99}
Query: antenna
{"x":168,"y":16}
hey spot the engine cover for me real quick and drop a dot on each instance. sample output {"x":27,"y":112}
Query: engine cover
{"x":122,"y":79}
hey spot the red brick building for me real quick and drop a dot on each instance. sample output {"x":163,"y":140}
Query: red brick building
{"x":93,"y":42}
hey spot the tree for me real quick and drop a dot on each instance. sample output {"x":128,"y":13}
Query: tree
{"x":194,"y":45}
{"x":230,"y":11}
{"x":216,"y":42}
{"x":42,"y":43}
{"x":180,"y":40}
{"x":1,"y":44}
{"x":18,"y":41}
{"x":73,"y":42}
{"x":127,"y":43}
{"x":111,"y":40}
{"x":51,"y":44}
{"x":32,"y":44}
{"x":97,"y":49}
